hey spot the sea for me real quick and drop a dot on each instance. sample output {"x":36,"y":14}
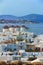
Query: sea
{"x":36,"y":28}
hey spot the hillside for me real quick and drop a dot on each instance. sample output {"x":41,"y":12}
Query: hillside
{"x":32,"y":17}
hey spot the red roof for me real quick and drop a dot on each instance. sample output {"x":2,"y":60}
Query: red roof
{"x":18,"y":26}
{"x":6,"y":27}
{"x":12,"y":26}
{"x":15,"y":26}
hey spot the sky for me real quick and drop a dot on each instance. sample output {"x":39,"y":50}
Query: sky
{"x":21,"y":7}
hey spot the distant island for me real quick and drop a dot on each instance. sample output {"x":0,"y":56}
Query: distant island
{"x":32,"y":18}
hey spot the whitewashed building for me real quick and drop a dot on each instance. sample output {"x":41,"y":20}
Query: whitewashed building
{"x":12,"y":47}
{"x":21,"y":45}
{"x":11,"y":29}
{"x":17,"y":28}
{"x":5,"y":29}
{"x":22,"y":28}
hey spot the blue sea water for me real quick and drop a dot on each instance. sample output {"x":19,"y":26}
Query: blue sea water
{"x":35,"y":28}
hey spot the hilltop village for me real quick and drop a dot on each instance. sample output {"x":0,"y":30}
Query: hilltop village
{"x":16,"y":43}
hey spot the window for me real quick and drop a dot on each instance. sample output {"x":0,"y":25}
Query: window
{"x":21,"y":47}
{"x":21,"y":43}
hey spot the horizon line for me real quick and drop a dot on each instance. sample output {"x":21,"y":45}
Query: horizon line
{"x":18,"y":15}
